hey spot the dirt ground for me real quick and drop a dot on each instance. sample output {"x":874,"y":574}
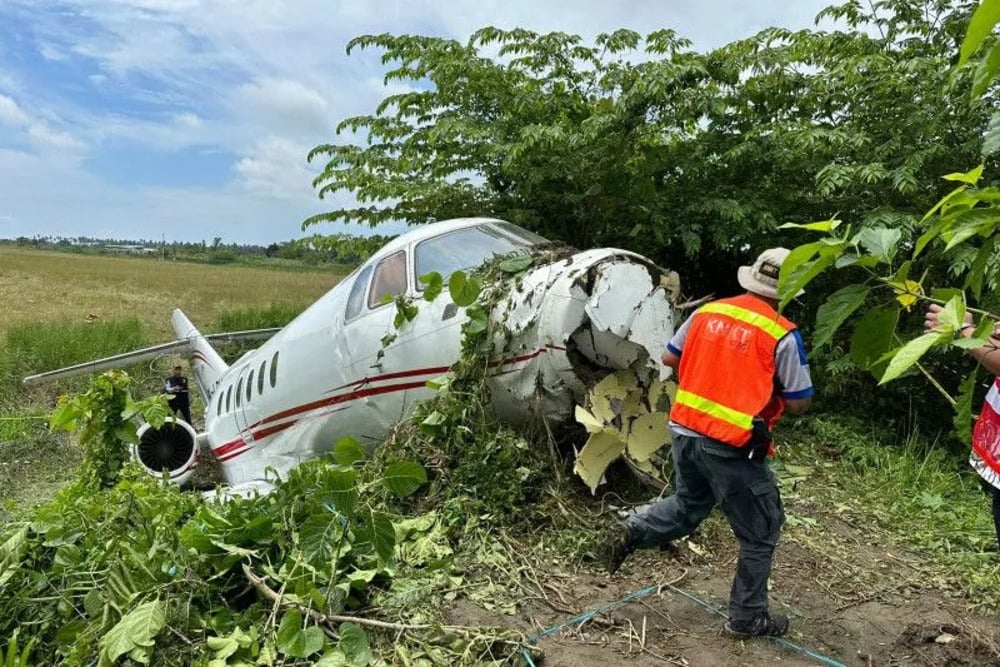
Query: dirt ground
{"x":850,"y":601}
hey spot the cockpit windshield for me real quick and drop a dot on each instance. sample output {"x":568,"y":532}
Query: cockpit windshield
{"x":470,"y":247}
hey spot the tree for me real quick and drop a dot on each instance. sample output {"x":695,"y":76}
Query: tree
{"x":898,"y":269}
{"x":641,"y":142}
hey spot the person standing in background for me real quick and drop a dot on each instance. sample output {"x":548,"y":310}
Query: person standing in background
{"x":180,"y":400}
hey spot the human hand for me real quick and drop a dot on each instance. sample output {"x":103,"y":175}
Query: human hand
{"x":931,"y":318}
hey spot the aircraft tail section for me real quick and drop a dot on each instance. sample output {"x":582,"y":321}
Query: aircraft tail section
{"x":206,"y":364}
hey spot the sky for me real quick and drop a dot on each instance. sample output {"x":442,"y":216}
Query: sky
{"x":191,"y":119}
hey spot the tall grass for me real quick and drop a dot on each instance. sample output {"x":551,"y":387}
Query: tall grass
{"x":258,"y":317}
{"x":916,"y":489}
{"x":33,"y":348}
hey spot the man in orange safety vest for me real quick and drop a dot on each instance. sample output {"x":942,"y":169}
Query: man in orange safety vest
{"x":739,"y":366}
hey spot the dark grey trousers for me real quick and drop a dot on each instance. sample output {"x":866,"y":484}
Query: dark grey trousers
{"x":709,"y":473}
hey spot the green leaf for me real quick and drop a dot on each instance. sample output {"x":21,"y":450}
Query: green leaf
{"x":981,"y":25}
{"x":334,"y":658}
{"x":477,"y":323}
{"x":837,"y":308}
{"x":348,"y":451}
{"x":991,"y":138}
{"x":354,"y":643}
{"x":516,"y":264}
{"x":873,"y":337}
{"x":383,"y":536}
{"x":433,"y":285}
{"x":319,"y":537}
{"x":853,"y":259}
{"x":974,"y":280}
{"x":340,"y":487}
{"x":434,"y":422}
{"x":136,"y":630}
{"x":803,"y":275}
{"x":971,"y":343}
{"x":821,"y":226}
{"x":881,"y":242}
{"x":970,"y":177}
{"x":952,"y":316}
{"x":986,"y":72}
{"x":295,"y":641}
{"x":794,"y":264}
{"x":12,"y":550}
{"x":403,"y":478}
{"x":463,"y":290}
{"x":909,"y":354}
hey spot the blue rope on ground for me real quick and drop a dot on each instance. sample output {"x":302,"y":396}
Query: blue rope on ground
{"x":819,"y":657}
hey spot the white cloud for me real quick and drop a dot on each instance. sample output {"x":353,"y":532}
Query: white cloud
{"x":46,"y":137}
{"x":43,"y":135}
{"x":277,"y":167}
{"x":283,"y":103}
{"x":50,"y":52}
{"x":11,"y":114}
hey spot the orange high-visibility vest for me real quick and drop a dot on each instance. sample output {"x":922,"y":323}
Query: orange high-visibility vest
{"x":726,"y":374}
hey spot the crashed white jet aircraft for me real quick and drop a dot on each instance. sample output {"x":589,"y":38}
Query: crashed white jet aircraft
{"x":326,"y":375}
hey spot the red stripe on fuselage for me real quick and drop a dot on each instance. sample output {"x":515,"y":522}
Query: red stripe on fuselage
{"x":200,"y":356}
{"x":227,"y":450}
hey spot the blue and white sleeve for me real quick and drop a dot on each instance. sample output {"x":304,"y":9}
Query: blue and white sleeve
{"x":676,"y":344}
{"x":792,"y":367}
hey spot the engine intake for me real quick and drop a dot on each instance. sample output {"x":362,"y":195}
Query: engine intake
{"x":171,"y":447}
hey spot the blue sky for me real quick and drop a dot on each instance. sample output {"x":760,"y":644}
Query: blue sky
{"x":192,"y":119}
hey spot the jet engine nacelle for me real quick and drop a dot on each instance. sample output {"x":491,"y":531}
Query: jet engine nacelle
{"x":172,"y":447}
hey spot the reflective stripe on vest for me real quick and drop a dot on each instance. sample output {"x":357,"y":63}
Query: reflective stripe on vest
{"x":717,"y":410}
{"x":762,"y":322}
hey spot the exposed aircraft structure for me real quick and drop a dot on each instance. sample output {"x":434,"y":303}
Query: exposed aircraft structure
{"x":326,"y":375}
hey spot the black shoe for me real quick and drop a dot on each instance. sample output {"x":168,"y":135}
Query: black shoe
{"x":619,"y":546}
{"x":764,"y":625}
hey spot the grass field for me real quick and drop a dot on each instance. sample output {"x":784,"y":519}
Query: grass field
{"x":50,"y":287}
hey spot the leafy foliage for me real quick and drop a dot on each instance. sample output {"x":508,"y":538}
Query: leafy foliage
{"x":103,"y":417}
{"x":478,"y":464}
{"x":959,"y":227}
{"x":133,"y":569}
{"x":703,"y":154}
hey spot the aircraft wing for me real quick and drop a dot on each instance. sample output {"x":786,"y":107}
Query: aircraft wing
{"x":181,"y":346}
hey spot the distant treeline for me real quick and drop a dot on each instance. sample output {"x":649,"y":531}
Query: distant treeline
{"x":337,"y":249}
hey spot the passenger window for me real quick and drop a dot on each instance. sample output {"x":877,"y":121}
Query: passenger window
{"x":260,"y":378}
{"x":218,"y":408}
{"x":229,"y":395}
{"x":357,"y":296}
{"x":274,"y":369}
{"x":250,"y":386}
{"x":239,"y":393}
{"x":390,"y":279}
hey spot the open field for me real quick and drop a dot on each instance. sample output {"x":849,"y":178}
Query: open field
{"x":40,"y":286}
{"x":888,"y":556}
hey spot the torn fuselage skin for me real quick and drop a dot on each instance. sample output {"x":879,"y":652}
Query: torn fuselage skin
{"x":594,"y":313}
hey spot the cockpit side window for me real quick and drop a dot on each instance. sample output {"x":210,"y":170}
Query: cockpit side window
{"x":357,"y":297}
{"x":390,"y":279}
{"x":469,"y":248}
